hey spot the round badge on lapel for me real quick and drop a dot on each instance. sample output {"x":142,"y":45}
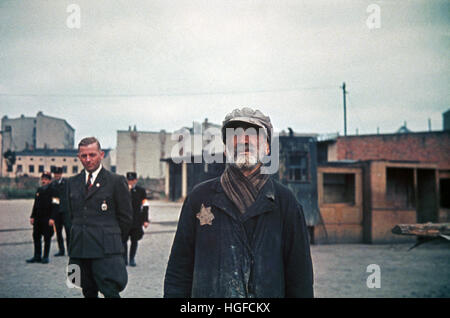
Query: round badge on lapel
{"x":104,"y":206}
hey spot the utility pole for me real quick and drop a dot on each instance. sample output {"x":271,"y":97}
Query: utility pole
{"x":344,"y":92}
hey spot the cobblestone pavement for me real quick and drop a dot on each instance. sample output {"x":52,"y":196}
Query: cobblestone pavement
{"x":340,"y":270}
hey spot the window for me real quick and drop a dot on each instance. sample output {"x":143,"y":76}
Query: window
{"x":298,"y":167}
{"x":75,"y":169}
{"x":41,"y":168}
{"x":31,"y":168}
{"x":64,"y":169}
{"x":339,"y":188}
{"x":19,"y":168}
{"x":53,"y":159}
{"x":400,"y":187}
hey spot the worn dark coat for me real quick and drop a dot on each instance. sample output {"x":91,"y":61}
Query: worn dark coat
{"x":101,"y":218}
{"x":262,"y":253}
{"x":42,"y":210}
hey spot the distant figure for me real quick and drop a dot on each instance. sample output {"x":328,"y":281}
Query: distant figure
{"x":40,"y":216}
{"x":101,"y":214}
{"x":60,"y":216}
{"x":140,"y":217}
{"x":243,"y":234}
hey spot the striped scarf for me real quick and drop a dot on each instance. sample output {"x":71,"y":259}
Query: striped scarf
{"x":240,"y":189}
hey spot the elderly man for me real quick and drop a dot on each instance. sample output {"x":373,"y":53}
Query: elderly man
{"x":241,"y":234}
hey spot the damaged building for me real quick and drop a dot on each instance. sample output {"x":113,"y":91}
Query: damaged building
{"x":367,"y":184}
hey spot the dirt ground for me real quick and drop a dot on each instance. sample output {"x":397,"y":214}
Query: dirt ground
{"x":340,"y":270}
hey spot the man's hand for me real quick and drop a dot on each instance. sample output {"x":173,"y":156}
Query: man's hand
{"x":31,"y":221}
{"x":51,"y":222}
{"x":146,"y":224}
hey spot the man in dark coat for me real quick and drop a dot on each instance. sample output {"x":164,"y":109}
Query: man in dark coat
{"x":60,"y":217}
{"x":242,"y":234}
{"x":40,"y":216}
{"x":101,"y":215}
{"x":140,"y":217}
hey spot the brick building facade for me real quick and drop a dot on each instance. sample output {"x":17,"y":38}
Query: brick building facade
{"x":430,"y":147}
{"x":405,"y":179}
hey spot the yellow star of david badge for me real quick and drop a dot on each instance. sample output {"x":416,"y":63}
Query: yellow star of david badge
{"x":205,"y":215}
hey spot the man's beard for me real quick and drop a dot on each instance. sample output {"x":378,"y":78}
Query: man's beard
{"x":244,"y":161}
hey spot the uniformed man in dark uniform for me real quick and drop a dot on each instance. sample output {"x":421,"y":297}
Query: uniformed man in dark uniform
{"x":40,"y":216}
{"x":60,"y":216}
{"x":101,"y":215}
{"x":140,"y":217}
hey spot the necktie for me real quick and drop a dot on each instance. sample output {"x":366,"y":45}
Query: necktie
{"x":89,"y":182}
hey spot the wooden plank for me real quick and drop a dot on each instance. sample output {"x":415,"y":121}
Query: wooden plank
{"x":423,"y":229}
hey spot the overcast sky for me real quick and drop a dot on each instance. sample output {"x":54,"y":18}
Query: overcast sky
{"x":164,"y":64}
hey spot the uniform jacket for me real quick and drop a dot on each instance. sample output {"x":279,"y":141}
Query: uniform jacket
{"x":43,"y":209}
{"x":60,"y":191}
{"x":101,"y":218}
{"x":140,"y":213}
{"x":262,"y":253}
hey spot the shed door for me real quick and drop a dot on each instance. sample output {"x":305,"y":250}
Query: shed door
{"x":427,"y":199}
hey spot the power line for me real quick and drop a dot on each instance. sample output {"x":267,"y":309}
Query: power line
{"x":166,"y":94}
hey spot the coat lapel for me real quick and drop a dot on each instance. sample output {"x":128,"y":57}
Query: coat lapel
{"x":80,"y":184}
{"x":221,"y":201}
{"x":264,"y":202}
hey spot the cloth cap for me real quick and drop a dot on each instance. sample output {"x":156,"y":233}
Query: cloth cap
{"x":249,"y":116}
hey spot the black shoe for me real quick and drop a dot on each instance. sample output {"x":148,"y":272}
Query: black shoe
{"x":34,"y":260}
{"x":45,"y":260}
{"x":132,"y":263}
{"x":59,"y":254}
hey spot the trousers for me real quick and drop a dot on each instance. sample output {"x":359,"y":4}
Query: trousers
{"x":37,"y":240}
{"x":60,"y":223}
{"x":106,"y":275}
